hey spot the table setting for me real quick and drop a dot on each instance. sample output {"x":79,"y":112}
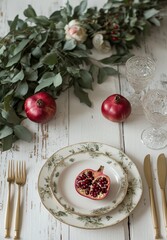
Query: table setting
{"x":83,"y":120}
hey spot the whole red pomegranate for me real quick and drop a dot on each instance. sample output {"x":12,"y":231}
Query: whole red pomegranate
{"x":40,"y":107}
{"x":116,"y":108}
{"x":93,"y":184}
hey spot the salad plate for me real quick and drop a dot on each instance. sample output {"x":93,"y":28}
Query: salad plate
{"x":122,"y":211}
{"x":63,"y":183}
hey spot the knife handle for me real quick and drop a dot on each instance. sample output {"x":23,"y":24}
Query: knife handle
{"x":154,"y":214}
{"x":164,"y":206}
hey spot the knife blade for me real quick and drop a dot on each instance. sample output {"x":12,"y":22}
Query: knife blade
{"x":149,"y":179}
{"x":162,"y":173}
{"x":147,"y":171}
{"x":161,"y":168}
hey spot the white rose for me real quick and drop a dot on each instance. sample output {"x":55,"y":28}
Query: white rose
{"x":100,"y":44}
{"x":74,"y":31}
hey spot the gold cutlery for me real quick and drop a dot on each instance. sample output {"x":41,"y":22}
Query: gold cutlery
{"x":148,"y":176}
{"x":10,"y":180}
{"x":162,"y":173}
{"x":20,"y":179}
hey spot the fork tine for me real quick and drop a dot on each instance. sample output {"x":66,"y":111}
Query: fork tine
{"x":12,"y":169}
{"x":24,"y":170}
{"x":10,"y":180}
{"x":21,"y":167}
{"x":17,"y":169}
{"x":9,"y":167}
{"x":20,"y":181}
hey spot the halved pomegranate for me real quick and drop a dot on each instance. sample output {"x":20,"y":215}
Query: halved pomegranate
{"x":93,"y":184}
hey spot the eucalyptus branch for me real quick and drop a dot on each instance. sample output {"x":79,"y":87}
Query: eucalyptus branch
{"x":53,"y":54}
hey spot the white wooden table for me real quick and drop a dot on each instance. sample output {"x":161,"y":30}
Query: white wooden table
{"x":75,"y":122}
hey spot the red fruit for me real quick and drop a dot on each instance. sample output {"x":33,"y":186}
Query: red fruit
{"x":93,"y":184}
{"x":116,"y":26}
{"x":115,"y":39}
{"x":116,"y":108}
{"x":40,"y":107}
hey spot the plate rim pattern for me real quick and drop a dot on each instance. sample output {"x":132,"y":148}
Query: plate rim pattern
{"x":122,"y":211}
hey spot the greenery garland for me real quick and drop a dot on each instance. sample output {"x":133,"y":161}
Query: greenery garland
{"x":54,"y":53}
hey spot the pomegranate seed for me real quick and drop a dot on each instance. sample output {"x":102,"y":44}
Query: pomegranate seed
{"x":89,"y":174}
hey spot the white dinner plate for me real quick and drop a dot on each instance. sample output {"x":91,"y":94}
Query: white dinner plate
{"x":63,"y":183}
{"x":134,"y":191}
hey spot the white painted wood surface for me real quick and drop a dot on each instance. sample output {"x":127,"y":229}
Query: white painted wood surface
{"x":75,"y":122}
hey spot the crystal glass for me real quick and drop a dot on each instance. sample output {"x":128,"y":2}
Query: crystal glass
{"x":155,"y":108}
{"x":140,"y":71}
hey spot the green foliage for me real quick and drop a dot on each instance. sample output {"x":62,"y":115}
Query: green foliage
{"x":35,"y":55}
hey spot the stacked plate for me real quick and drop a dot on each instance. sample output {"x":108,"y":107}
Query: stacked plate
{"x":58,"y":194}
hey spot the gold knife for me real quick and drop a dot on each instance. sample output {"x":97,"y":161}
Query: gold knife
{"x":148,"y":176}
{"x":162,"y":173}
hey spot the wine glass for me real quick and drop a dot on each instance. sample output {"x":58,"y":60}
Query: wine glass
{"x":139,"y":71}
{"x":155,"y":108}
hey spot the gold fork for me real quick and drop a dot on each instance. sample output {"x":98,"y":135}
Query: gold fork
{"x":20,"y":179}
{"x":10,"y":179}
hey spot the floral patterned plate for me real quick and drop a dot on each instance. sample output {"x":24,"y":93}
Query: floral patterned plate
{"x":122,"y":211}
{"x":63,"y":187}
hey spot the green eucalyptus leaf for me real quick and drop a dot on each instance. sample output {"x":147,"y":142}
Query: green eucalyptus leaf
{"x":21,"y":89}
{"x":33,"y":35}
{"x":57,"y":80}
{"x":5,"y":131}
{"x":104,"y":73}
{"x":150,"y":13}
{"x":10,"y":116}
{"x":70,"y":44}
{"x":79,"y":53}
{"x":43,"y":85}
{"x":2,"y":49}
{"x":133,"y":21}
{"x":64,"y":15}
{"x":101,"y":76}
{"x":31,"y":75}
{"x":2,"y":121}
{"x":59,"y":26}
{"x":110,"y":71}
{"x":21,"y":46}
{"x":37,"y":52}
{"x":6,"y":80}
{"x":42,"y":20}
{"x":7,"y":142}
{"x":111,"y":60}
{"x":22,"y":133}
{"x":30,"y":12}
{"x":46,"y":80}
{"x":155,"y":21}
{"x":86,"y":79}
{"x":108,"y":5}
{"x":94,"y":70}
{"x":13,"y":23}
{"x":68,"y":8}
{"x":46,"y":76}
{"x":82,"y":95}
{"x":81,"y":46}
{"x":129,"y":37}
{"x":4,"y":73}
{"x":18,"y":77}
{"x":26,"y":60}
{"x":55,"y":16}
{"x":13,"y":60}
{"x":50,"y":58}
{"x":74,"y":71}
{"x":8,"y":99}
{"x":79,"y":10}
